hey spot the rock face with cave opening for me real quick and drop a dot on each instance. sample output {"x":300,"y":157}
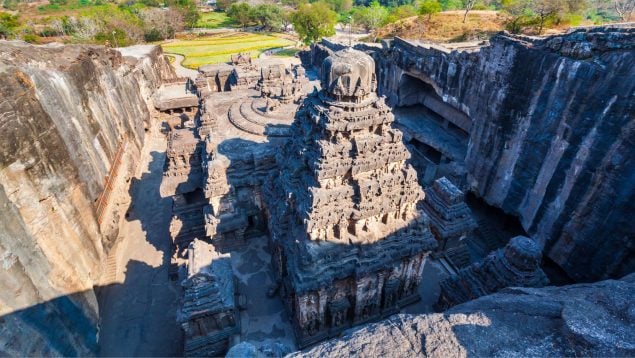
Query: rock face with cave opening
{"x":548,"y":130}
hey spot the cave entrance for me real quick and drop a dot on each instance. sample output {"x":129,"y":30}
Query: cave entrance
{"x":496,"y":228}
{"x":426,"y":151}
{"x":413,"y":90}
{"x":440,"y":133}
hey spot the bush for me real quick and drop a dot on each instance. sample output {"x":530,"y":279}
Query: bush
{"x":49,"y":32}
{"x":10,"y":4}
{"x":153,"y":35}
{"x":30,"y":38}
{"x":8,"y":24}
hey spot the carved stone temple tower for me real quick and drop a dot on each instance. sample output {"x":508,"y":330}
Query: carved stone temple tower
{"x":347,"y":239}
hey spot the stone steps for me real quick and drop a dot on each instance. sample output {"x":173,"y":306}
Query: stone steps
{"x":111,"y":268}
{"x":489,"y":235}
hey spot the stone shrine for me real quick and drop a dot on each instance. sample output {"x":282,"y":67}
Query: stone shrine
{"x":517,"y":264}
{"x":207,"y":122}
{"x":232,"y":188}
{"x":208,"y":313}
{"x":449,"y":216}
{"x":245,"y":73}
{"x":182,"y":171}
{"x":348,"y":242}
{"x":282,"y":84}
{"x":213,"y":78}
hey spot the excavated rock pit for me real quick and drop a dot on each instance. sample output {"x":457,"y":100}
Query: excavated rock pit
{"x":540,"y":128}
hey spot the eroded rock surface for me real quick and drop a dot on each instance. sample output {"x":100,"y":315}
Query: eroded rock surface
{"x":551,"y":138}
{"x":64,"y":113}
{"x":578,"y":320}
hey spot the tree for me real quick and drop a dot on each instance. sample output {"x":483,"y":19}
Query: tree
{"x":371,"y":17}
{"x":429,"y":7}
{"x":314,"y":21}
{"x":223,"y":5}
{"x":159,"y":24}
{"x":624,"y":8}
{"x":241,"y":13}
{"x":401,"y":12}
{"x":519,"y":14}
{"x":346,"y":6}
{"x":546,"y":9}
{"x":190,"y":15}
{"x":339,"y":6}
{"x":287,"y":19}
{"x":451,"y":4}
{"x":293,"y":3}
{"x":268,"y":16}
{"x":468,"y":5}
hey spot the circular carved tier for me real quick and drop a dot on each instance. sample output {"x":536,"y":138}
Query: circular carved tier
{"x":252,"y":117}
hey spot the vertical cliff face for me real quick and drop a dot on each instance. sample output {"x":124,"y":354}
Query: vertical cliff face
{"x":552,"y":136}
{"x":64,"y":112}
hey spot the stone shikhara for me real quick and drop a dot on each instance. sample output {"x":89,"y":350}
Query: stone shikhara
{"x":348,"y":241}
{"x":209,"y":312}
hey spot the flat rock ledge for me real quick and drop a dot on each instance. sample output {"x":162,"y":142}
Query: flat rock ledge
{"x":595,"y":319}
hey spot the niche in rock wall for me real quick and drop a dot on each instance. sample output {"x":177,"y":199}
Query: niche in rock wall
{"x":426,"y":151}
{"x":414,"y":91}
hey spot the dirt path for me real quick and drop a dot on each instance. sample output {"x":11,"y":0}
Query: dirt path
{"x":180,"y":70}
{"x":139,"y":314}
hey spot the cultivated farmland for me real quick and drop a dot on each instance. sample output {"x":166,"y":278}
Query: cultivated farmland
{"x":219,"y":48}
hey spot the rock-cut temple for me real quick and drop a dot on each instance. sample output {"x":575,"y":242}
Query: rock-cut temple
{"x":348,"y":240}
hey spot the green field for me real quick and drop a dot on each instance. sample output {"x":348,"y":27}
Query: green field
{"x":287,"y":52}
{"x":219,"y":48}
{"x":214,"y":20}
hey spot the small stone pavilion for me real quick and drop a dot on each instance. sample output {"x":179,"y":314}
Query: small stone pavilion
{"x":208,"y":312}
{"x":450,"y":217}
{"x":517,"y":264}
{"x":348,"y":242}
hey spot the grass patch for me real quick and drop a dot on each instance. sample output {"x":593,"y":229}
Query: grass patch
{"x":287,"y":52}
{"x":215,"y":20}
{"x":219,"y":48}
{"x":70,"y":8}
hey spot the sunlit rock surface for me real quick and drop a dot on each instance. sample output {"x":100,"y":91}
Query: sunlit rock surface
{"x":578,"y":320}
{"x":64,"y":110}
